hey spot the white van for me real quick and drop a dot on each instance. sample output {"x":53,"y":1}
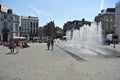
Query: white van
{"x":111,"y":38}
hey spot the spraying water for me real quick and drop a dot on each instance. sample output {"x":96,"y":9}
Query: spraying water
{"x":87,"y":41}
{"x":87,"y":36}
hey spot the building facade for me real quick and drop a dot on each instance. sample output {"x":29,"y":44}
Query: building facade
{"x":29,"y":27}
{"x":76,"y":24}
{"x":41,"y":33}
{"x":9,"y":24}
{"x":117,"y":18}
{"x":50,"y":30}
{"x":59,"y":32}
{"x":47,"y":31}
{"x":107,"y":19}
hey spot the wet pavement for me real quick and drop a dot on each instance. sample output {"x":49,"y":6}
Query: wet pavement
{"x":88,"y":53}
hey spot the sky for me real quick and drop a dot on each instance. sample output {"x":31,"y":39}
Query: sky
{"x":59,"y":11}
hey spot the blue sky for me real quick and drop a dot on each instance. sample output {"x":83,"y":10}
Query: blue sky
{"x":59,"y":11}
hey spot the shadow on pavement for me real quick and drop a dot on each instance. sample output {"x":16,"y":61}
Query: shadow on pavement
{"x":11,"y":53}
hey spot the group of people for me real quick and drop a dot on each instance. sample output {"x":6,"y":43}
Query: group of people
{"x":14,"y":45}
{"x":50,"y":42}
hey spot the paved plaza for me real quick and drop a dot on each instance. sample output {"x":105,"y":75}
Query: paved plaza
{"x":38,"y":63}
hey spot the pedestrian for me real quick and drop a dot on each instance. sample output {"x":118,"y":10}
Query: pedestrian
{"x":52,"y":43}
{"x":11,"y":46}
{"x":48,"y":43}
{"x":17,"y":46}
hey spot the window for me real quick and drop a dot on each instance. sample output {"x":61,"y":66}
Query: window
{"x":11,"y":27}
{"x":111,"y":18}
{"x":107,"y":27}
{"x":30,"y":31}
{"x":5,"y":16}
{"x":5,"y":24}
{"x":16,"y":26}
{"x":31,"y":24}
{"x":11,"y":17}
{"x":107,"y":19}
{"x":34,"y":31}
{"x":34,"y":24}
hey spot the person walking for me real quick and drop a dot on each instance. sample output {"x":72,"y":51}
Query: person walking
{"x":11,"y":46}
{"x":48,"y":44}
{"x":17,"y":46}
{"x":52,"y":43}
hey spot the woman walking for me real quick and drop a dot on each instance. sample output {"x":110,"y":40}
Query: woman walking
{"x":17,"y":46}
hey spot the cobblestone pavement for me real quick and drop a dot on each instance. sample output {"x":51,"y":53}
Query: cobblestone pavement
{"x":38,"y":63}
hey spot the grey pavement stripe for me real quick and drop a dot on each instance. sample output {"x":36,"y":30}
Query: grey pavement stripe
{"x":72,"y":54}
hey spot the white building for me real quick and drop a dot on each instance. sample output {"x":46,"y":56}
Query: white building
{"x":9,"y":23}
{"x":29,"y":27}
{"x":117,"y":18}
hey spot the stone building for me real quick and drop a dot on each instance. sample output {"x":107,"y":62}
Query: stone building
{"x":117,"y":18}
{"x":107,"y":19}
{"x":29,"y":27}
{"x":76,"y":24}
{"x":59,"y":32}
{"x":9,"y":23}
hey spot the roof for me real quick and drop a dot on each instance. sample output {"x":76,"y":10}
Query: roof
{"x":110,"y":10}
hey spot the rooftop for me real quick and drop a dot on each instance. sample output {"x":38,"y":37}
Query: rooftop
{"x":29,"y":17}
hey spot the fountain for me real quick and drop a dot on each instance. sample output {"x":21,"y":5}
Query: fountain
{"x":87,"y":43}
{"x":87,"y":36}
{"x":87,"y":40}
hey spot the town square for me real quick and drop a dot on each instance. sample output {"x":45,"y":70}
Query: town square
{"x":60,"y":40}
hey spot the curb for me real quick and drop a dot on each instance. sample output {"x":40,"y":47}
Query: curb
{"x":110,"y":53}
{"x":76,"y":57}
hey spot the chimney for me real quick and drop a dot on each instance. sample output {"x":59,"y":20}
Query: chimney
{"x":0,"y":8}
{"x":9,"y":11}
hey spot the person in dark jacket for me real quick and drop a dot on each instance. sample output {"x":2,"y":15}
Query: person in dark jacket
{"x":11,"y":46}
{"x":48,"y":44}
{"x":52,"y":43}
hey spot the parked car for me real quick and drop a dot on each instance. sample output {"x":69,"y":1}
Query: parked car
{"x":42,"y":40}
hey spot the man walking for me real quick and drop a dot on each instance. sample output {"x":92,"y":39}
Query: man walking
{"x":52,"y":43}
{"x":48,"y":44}
{"x":11,"y":46}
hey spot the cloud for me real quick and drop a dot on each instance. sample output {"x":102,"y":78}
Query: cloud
{"x":102,"y":3}
{"x":38,"y":11}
